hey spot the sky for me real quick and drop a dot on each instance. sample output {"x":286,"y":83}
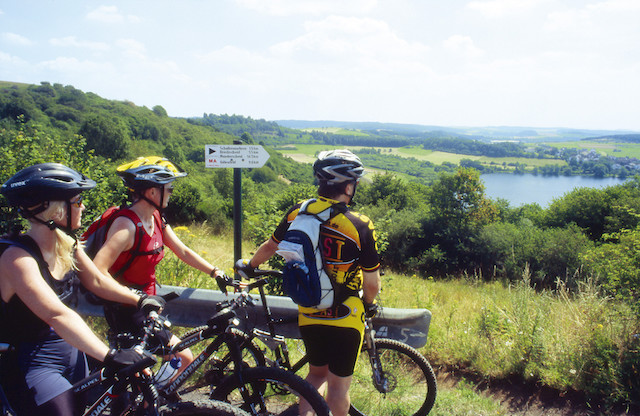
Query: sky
{"x":536,"y":63}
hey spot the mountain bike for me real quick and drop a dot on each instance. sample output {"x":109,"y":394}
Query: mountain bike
{"x":130,"y":391}
{"x":391,"y":378}
{"x":236,"y":372}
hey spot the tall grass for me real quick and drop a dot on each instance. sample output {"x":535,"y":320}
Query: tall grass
{"x":577,"y":341}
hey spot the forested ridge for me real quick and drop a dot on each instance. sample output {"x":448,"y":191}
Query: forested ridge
{"x":443,"y":228}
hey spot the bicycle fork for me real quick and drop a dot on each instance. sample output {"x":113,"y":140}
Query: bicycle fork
{"x":380,"y":380}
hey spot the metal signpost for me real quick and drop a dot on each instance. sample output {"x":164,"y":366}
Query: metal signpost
{"x":235,"y":156}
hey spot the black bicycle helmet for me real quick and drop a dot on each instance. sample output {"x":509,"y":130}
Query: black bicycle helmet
{"x":337,"y":166}
{"x":149,"y":172}
{"x":44,"y":182}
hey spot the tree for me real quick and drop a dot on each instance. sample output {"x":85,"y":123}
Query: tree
{"x":458,"y":208}
{"x":159,"y":111}
{"x":459,"y":199}
{"x":106,"y":136}
{"x":385,"y":190}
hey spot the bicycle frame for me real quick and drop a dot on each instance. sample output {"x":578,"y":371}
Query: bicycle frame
{"x":117,"y":387}
{"x":185,"y":343}
{"x":217,"y":328}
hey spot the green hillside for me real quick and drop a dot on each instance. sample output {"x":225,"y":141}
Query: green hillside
{"x":103,"y":133}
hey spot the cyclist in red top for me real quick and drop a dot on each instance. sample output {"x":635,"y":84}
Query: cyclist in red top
{"x":333,"y":336}
{"x":150,"y":183}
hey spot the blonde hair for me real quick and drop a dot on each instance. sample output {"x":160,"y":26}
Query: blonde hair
{"x":65,"y":244}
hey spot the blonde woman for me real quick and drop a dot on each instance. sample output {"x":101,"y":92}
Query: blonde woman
{"x":50,"y":338}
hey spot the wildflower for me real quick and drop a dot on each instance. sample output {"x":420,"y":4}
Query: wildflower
{"x":573,"y":371}
{"x":181,"y":228}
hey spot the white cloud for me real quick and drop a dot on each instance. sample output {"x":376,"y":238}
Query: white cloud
{"x":132,"y":48}
{"x":111,"y":14}
{"x":16,"y":39}
{"x":352,"y":39}
{"x":308,"y":7}
{"x":463,"y":46}
{"x":5,"y":58}
{"x":503,"y":8}
{"x":615,"y":6}
{"x":65,"y":65}
{"x":71,"y":41}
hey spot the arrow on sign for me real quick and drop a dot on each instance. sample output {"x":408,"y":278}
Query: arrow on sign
{"x":235,"y":156}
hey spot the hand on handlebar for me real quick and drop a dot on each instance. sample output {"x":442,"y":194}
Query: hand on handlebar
{"x":151,"y":303}
{"x":244,"y":269}
{"x":370,"y":309}
{"x":117,"y":359}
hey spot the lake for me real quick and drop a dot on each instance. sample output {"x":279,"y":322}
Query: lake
{"x":528,"y":188}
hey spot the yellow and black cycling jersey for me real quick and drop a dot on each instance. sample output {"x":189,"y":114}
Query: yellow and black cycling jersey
{"x":348,"y":243}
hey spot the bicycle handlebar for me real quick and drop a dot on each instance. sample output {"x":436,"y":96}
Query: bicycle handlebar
{"x":226,"y":281}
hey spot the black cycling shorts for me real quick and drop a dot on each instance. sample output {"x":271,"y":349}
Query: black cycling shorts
{"x":333,"y":346}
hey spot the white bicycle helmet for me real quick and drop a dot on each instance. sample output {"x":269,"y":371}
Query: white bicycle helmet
{"x":337,"y":166}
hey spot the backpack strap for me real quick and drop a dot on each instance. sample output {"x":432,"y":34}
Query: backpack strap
{"x":135,"y":251}
{"x":321,"y":216}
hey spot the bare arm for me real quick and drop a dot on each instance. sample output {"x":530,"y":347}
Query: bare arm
{"x":371,"y":285}
{"x":120,"y":238}
{"x":186,"y":254}
{"x":22,"y":277}
{"x":264,"y":252}
{"x":102,"y":284}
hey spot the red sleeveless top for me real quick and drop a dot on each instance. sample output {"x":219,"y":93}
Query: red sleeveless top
{"x":147,"y":250}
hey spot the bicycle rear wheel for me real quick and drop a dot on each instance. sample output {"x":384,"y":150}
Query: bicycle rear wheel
{"x":271,"y":391}
{"x":201,"y":408}
{"x":411,"y":383}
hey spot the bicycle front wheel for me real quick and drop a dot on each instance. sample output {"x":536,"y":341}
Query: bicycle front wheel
{"x":269,"y":391}
{"x":408,"y":388}
{"x":201,"y":408}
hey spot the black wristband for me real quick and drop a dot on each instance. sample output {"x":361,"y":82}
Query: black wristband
{"x":213,"y":272}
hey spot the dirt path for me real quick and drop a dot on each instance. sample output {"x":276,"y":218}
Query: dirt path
{"x":519,"y":398}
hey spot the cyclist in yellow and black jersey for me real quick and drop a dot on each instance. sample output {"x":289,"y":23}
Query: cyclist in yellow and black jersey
{"x":333,"y":336}
{"x":348,"y":245}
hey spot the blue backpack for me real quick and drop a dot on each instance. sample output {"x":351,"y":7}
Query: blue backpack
{"x":304,"y":278}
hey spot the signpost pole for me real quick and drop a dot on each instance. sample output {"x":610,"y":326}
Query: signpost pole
{"x":236,"y":156}
{"x":237,"y":211}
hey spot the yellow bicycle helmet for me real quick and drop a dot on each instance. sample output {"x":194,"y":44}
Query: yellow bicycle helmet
{"x":149,"y":171}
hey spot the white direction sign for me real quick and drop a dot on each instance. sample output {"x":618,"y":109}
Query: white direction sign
{"x":234,"y":156}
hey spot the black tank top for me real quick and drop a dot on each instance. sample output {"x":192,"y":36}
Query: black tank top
{"x":17,"y":323}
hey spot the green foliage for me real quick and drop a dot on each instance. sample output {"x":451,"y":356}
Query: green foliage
{"x":108,"y":137}
{"x":183,"y":205}
{"x":386,"y":191}
{"x":506,"y":250}
{"x":616,"y":265}
{"x":159,"y":111}
{"x":29,"y":145}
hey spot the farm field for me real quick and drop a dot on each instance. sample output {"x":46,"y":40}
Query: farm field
{"x":616,"y":149}
{"x":306,"y":153}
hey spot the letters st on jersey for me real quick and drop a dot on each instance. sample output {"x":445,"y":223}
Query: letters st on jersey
{"x":340,"y":242}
